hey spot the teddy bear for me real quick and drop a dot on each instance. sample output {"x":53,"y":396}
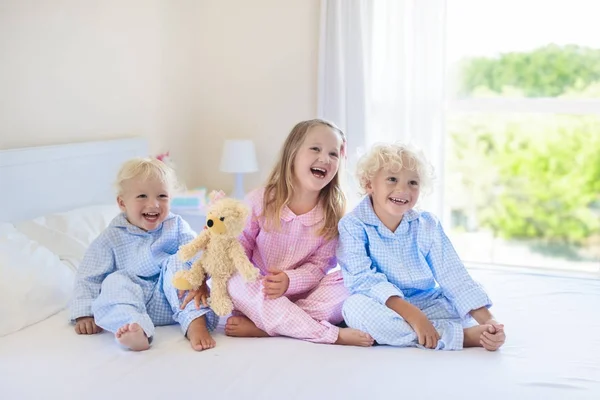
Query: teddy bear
{"x":222,"y":253}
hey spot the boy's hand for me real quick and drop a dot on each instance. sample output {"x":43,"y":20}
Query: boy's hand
{"x":86,"y":326}
{"x":494,"y":337}
{"x":199,"y":296}
{"x":276,"y":283}
{"x":427,"y":334}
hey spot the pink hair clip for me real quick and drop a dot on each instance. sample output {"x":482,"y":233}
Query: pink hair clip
{"x":163,"y":156}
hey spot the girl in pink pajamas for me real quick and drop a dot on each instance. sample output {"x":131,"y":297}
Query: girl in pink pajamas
{"x":292,"y":237}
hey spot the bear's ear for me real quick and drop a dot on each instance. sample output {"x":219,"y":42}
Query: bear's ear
{"x":242,"y":212}
{"x":215,"y":196}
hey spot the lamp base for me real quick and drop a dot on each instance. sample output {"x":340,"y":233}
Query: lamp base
{"x":238,"y":190}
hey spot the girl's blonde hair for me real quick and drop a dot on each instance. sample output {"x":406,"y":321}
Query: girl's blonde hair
{"x":145,"y":168}
{"x":280,"y":184}
{"x":393,"y":157}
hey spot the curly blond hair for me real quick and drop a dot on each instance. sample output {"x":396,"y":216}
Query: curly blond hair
{"x":147,"y":168}
{"x":394,"y":157}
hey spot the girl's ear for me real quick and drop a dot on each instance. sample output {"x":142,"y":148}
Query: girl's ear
{"x":369,"y":187}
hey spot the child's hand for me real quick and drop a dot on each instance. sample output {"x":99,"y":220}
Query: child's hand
{"x":275,"y":284}
{"x":494,"y":337}
{"x":86,"y":326}
{"x":199,"y":296}
{"x":427,"y":334}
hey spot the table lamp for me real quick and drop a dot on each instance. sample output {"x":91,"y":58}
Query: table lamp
{"x":239,"y":158}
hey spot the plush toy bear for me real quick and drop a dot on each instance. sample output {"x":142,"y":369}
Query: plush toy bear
{"x":222,"y":253}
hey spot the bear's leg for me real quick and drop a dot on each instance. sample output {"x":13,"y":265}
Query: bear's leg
{"x":220,"y":302}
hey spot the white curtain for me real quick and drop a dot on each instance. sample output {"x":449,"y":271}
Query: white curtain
{"x":382,"y":77}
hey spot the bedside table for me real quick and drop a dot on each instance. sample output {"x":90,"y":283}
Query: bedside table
{"x":196,"y":218}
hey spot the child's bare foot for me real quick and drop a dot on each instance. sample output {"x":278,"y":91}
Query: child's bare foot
{"x":133,"y":337}
{"x":199,"y":336}
{"x":243,"y":327}
{"x":473,"y":335}
{"x":354,"y":337}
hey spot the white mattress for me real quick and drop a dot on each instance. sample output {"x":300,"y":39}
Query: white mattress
{"x":552,"y":352}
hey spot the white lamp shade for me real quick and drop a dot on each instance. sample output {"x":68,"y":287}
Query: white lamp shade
{"x":239,"y":157}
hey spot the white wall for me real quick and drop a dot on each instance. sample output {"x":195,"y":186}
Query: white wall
{"x":256,"y":76}
{"x":77,"y":71}
{"x":186,"y":74}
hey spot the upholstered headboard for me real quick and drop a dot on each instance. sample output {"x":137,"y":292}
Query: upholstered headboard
{"x":36,"y":181}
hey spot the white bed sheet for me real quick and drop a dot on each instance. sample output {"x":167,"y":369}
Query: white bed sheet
{"x":552,"y":352}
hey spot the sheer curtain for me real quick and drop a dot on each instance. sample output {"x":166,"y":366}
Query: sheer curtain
{"x":382,"y":77}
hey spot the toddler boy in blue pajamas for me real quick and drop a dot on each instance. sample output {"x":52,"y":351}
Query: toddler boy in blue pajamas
{"x":123,"y":284}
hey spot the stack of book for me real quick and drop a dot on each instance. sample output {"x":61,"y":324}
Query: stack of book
{"x":195,"y":199}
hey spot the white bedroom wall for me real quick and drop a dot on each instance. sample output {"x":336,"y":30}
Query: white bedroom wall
{"x":253,"y":74}
{"x":73,"y":71}
{"x":186,"y":74}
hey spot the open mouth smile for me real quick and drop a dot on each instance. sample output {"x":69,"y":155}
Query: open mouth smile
{"x":151,"y":217}
{"x":318,"y":172}
{"x":398,"y":201}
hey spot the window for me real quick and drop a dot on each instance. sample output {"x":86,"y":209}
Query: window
{"x":522,"y":182}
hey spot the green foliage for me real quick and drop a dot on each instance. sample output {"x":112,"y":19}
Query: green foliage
{"x":548,"y":179}
{"x":530,"y":176}
{"x":548,"y":71}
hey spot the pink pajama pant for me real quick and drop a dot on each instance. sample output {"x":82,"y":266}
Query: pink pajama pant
{"x":307,"y":316}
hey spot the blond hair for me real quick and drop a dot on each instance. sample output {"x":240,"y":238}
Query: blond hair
{"x":280,"y":188}
{"x":393,"y":157}
{"x":146,"y":168}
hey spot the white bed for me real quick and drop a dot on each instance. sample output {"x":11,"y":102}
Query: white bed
{"x":552,"y":323}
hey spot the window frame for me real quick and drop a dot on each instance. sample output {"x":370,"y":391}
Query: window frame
{"x":507,"y":105}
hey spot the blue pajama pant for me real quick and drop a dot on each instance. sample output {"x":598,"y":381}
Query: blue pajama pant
{"x":388,"y":328}
{"x":126,"y":298}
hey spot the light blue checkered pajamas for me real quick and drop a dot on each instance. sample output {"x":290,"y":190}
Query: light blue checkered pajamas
{"x":126,"y":274}
{"x":416,"y":263}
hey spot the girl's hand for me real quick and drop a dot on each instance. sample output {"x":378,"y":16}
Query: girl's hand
{"x":86,"y":326}
{"x":275,"y":284}
{"x":494,"y":337}
{"x":427,"y":334}
{"x":199,"y":296}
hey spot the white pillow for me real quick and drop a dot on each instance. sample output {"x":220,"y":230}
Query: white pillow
{"x":70,"y":233}
{"x":34,"y":284}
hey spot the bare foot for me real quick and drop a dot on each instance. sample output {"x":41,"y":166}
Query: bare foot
{"x":473,"y":335}
{"x":133,"y":337}
{"x":243,"y":327}
{"x":199,"y":336}
{"x":354,"y":337}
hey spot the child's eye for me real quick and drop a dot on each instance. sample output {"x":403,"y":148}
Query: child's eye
{"x":164,"y":196}
{"x":315,"y":149}
{"x":141,"y":196}
{"x":414,"y":183}
{"x":392,"y":179}
{"x":333,"y":154}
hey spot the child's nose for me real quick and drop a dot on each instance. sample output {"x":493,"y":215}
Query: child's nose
{"x":325,"y":159}
{"x":401,"y":186}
